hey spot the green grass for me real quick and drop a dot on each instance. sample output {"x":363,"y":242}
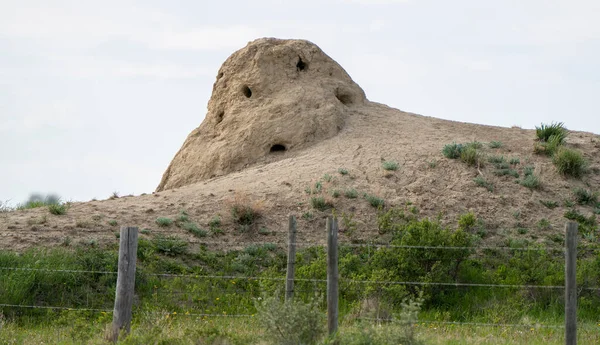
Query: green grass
{"x":569,"y":162}
{"x":514,"y":161}
{"x":471,"y":156}
{"x":166,"y":309}
{"x":495,"y":144}
{"x":585,"y":197}
{"x":482,"y":182}
{"x":375,"y":201}
{"x":351,"y":193}
{"x":320,"y":203}
{"x":58,"y":209}
{"x":452,"y":151}
{"x":549,"y":203}
{"x":496,"y":159}
{"x":335,"y":193}
{"x":530,"y":181}
{"x":327,"y":178}
{"x":164,"y":222}
{"x":112,"y":222}
{"x":506,"y":172}
{"x":390,"y":165}
{"x":170,"y":245}
{"x":193,"y":228}
{"x":343,"y":171}
{"x":545,"y":132}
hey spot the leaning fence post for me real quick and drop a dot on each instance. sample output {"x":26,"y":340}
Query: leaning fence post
{"x":128,"y":243}
{"x":571,"y":284}
{"x":332,"y":275}
{"x":291,"y":261}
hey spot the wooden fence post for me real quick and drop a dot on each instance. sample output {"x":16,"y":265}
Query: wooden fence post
{"x":128,"y":243}
{"x":332,"y":275}
{"x":291,"y":260}
{"x":571,"y":284}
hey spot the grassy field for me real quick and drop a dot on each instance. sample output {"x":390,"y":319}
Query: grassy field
{"x":169,"y":309}
{"x":71,"y":328}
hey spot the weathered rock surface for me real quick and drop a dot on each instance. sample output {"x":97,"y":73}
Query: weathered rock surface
{"x":270,"y":97}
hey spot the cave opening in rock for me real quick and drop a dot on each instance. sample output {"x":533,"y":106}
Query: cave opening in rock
{"x":220,"y":116}
{"x":301,"y":65}
{"x":278,"y":148}
{"x":247,"y":92}
{"x":345,"y":98}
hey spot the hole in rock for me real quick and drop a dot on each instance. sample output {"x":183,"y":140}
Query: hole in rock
{"x":278,"y":148}
{"x":345,"y":98}
{"x":247,"y":92}
{"x":220,"y":116}
{"x":220,"y":75}
{"x":301,"y":65}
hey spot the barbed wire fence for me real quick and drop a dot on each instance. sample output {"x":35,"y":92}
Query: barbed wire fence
{"x":204,"y":308}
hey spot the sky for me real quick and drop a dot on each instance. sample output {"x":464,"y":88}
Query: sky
{"x":96,"y":97}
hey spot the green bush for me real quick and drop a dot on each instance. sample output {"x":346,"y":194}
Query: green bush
{"x":545,"y":132}
{"x":569,"y":162}
{"x":335,"y":193}
{"x":290,"y":322}
{"x":467,"y":221}
{"x":343,"y":171}
{"x":530,"y":181}
{"x":375,"y":201}
{"x":57,"y":209}
{"x":585,"y":197}
{"x":452,"y":151}
{"x":482,"y":182}
{"x":192,"y":228}
{"x":164,"y":221}
{"x":244,"y":214}
{"x":549,"y":203}
{"x":471,"y":156}
{"x":390,"y":165}
{"x":351,"y":193}
{"x":320,"y":203}
{"x":170,"y":245}
{"x":495,"y":144}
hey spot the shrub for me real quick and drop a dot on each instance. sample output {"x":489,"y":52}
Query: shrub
{"x":452,"y":151}
{"x":291,"y":322}
{"x":545,"y":132}
{"x":471,"y":156}
{"x":390,"y":165}
{"x":544,"y":224}
{"x":569,"y":162}
{"x":112,"y":222}
{"x":57,"y":209}
{"x":170,"y":245}
{"x":192,"y":228}
{"x":585,"y":197}
{"x":514,"y":161}
{"x":164,"y":221}
{"x":343,"y":171}
{"x":327,"y":178}
{"x":530,"y":181}
{"x":505,"y":172}
{"x":549,"y":203}
{"x":467,"y":221}
{"x":335,"y":193}
{"x":496,"y":159}
{"x":245,"y":214}
{"x":38,"y":200}
{"x":351,"y":193}
{"x":374,"y":201}
{"x":320,"y":203}
{"x":495,"y":144}
{"x":482,"y":182}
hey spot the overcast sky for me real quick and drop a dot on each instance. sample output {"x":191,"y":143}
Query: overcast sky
{"x":98,"y":96}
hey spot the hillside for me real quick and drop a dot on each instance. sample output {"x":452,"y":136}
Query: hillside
{"x":277,"y":182}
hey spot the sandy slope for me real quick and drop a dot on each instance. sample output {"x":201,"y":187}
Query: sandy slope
{"x":373,"y":133}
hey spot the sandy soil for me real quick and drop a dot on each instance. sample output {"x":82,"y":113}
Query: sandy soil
{"x":374,"y":133}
